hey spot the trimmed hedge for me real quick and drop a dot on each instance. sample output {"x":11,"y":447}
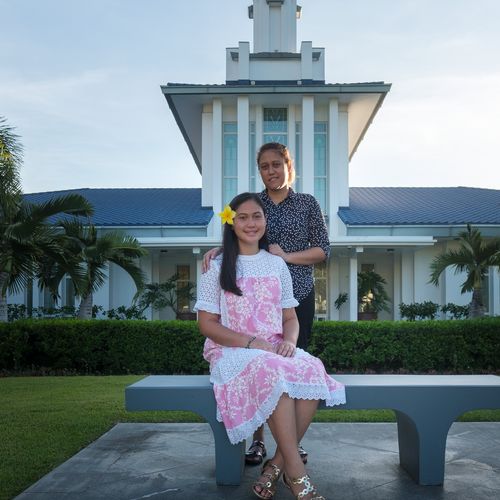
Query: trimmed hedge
{"x":468,"y":346}
{"x":121,"y":347}
{"x":101,"y":347}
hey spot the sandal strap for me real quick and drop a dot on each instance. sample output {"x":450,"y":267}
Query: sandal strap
{"x":272,"y":477}
{"x":308,"y":487}
{"x":268,"y":485}
{"x":276,"y":470}
{"x":257,"y":444}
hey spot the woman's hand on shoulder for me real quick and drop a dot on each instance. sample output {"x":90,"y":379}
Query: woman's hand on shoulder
{"x":275,"y":249}
{"x":211,"y":254}
{"x":285,"y":349}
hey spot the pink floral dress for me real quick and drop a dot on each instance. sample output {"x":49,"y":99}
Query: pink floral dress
{"x":248,"y":383}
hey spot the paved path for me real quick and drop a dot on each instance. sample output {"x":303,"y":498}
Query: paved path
{"x":347,"y":461}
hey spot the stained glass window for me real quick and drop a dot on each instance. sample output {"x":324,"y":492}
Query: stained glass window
{"x":252,"y":160}
{"x":276,"y":125}
{"x":229,"y":161}
{"x":321,"y":165}
{"x":298,"y":157}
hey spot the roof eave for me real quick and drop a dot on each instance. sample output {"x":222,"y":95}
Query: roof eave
{"x":184,"y":133}
{"x":369,"y":121}
{"x":327,"y":88}
{"x":172,"y":90}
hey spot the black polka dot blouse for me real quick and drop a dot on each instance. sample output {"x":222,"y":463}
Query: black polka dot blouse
{"x":297,"y":224}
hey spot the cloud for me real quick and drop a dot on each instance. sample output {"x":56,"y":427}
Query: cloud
{"x":439,"y":130}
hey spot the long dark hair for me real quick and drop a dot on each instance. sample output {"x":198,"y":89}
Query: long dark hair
{"x":230,"y":248}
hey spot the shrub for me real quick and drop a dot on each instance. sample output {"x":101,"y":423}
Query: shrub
{"x":101,"y":347}
{"x":19,"y":311}
{"x":456,"y":312}
{"x":422,"y":310}
{"x":175,"y":347}
{"x":469,"y":346}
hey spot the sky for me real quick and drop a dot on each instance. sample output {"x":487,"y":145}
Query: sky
{"x":80,"y":81}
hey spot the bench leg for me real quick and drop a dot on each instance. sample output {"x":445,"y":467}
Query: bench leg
{"x":422,"y":447}
{"x":229,"y":458}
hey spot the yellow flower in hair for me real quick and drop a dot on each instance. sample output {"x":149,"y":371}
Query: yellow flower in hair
{"x":227,"y":215}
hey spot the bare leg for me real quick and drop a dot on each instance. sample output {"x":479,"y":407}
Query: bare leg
{"x":258,"y":435}
{"x":288,"y":424}
{"x":304,"y":413}
{"x":284,"y":429}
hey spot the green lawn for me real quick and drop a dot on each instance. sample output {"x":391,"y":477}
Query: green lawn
{"x":46,"y":420}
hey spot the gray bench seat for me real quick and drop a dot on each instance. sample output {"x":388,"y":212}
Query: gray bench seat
{"x":425,"y":407}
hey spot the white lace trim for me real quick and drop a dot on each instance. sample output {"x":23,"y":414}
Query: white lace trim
{"x":206,"y":306}
{"x":263,"y":264}
{"x":286,"y":304}
{"x":232,"y":363}
{"x":295,"y":391}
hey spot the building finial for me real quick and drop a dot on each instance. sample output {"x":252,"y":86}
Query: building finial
{"x":275,"y":25}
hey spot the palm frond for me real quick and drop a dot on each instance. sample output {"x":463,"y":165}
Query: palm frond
{"x":11,"y":160}
{"x":131,"y":268}
{"x":71,"y":204}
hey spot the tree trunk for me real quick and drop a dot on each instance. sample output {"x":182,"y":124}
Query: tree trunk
{"x":85,"y":311}
{"x":3,"y":299}
{"x":476,"y":308}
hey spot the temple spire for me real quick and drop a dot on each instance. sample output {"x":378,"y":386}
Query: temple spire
{"x":274,"y":25}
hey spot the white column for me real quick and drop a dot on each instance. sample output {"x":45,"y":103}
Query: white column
{"x":338,"y":180}
{"x":291,"y":129}
{"x":397,"y":284}
{"x":494,"y":291}
{"x":155,"y":278}
{"x":199,"y":261}
{"x":289,"y":26}
{"x":259,"y":139}
{"x":333,"y":166}
{"x":333,"y":264}
{"x":342,"y":175}
{"x":308,"y":144}
{"x":353,"y":286}
{"x":261,"y":26}
{"x":407,"y":277}
{"x":217,"y":162}
{"x":243,"y":145}
{"x":244,"y":61}
{"x":306,"y":72}
{"x":206,"y":158}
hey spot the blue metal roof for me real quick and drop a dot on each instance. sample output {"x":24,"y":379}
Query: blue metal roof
{"x":140,"y":207}
{"x":421,"y":206}
{"x":372,"y":206}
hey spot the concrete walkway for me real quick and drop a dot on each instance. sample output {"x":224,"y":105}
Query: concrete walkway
{"x":347,"y":461}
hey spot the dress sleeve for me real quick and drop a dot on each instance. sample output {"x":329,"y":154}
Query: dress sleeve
{"x":318,"y":234}
{"x":287,"y":298}
{"x":209,"y":290}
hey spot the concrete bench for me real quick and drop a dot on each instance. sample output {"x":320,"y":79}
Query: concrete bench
{"x":425,"y":407}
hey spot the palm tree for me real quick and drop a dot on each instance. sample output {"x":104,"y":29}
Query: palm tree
{"x":11,"y":160}
{"x":372,"y":296}
{"x":26,"y":234}
{"x":28,"y":239}
{"x":166,"y":294}
{"x":92,"y":254}
{"x":474,"y":257}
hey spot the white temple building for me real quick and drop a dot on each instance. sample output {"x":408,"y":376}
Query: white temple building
{"x":275,"y":90}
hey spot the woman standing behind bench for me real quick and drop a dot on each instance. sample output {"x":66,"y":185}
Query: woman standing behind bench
{"x":246,"y":311}
{"x":297,"y":233}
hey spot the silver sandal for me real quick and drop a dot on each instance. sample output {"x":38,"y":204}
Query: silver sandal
{"x":308,"y":487}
